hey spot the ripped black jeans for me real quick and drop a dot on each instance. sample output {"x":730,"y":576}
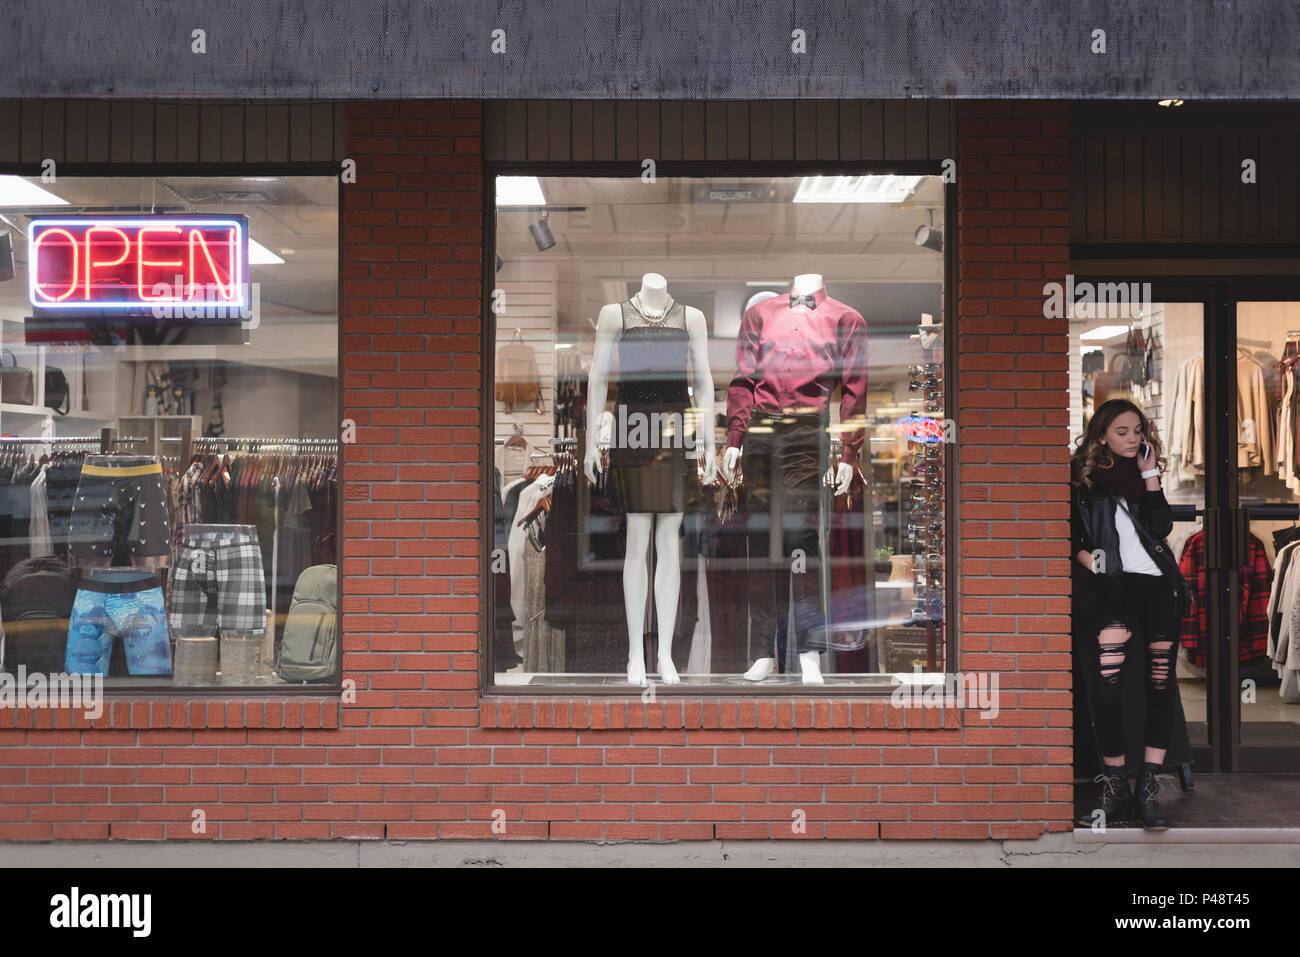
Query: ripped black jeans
{"x":1144,"y":606}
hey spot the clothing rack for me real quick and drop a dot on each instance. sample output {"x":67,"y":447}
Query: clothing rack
{"x":104,"y":441}
{"x":208,"y":443}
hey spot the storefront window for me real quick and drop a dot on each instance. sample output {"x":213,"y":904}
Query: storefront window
{"x":168,"y":429}
{"x":720,"y":436}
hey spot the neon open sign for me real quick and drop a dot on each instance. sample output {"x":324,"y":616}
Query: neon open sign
{"x":137,"y":264}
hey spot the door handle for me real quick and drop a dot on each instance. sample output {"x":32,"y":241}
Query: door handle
{"x":1212,"y":527}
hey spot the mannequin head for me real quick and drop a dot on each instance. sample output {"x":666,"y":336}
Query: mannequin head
{"x":654,"y":290}
{"x":807,"y":283}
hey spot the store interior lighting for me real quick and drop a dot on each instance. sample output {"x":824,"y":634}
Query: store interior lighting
{"x":1102,"y":333}
{"x":17,"y":191}
{"x":886,"y":188}
{"x":519,"y":191}
{"x":541,"y":231}
{"x":929,"y":238}
{"x":259,"y":255}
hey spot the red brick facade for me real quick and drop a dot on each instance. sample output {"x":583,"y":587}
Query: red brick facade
{"x":420,"y":753}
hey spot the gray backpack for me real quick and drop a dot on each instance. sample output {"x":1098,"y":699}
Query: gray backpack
{"x":309,"y":647}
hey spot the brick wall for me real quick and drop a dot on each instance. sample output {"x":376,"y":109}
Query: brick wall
{"x":420,"y":754}
{"x":1012,"y":443}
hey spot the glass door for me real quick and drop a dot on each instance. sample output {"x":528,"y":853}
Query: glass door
{"x":1261,"y":658}
{"x":1152,"y":351}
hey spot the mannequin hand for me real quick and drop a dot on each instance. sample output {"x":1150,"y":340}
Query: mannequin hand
{"x":729,"y":460}
{"x":710,"y":467}
{"x":841,"y":478}
{"x":591,"y":462}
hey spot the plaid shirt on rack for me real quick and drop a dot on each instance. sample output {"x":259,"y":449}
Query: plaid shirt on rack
{"x":1256,"y":582}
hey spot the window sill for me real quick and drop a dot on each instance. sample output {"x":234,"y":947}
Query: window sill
{"x":711,"y":713}
{"x":231,"y":711}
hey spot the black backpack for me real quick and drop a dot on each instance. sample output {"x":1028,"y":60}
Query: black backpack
{"x":36,"y":604}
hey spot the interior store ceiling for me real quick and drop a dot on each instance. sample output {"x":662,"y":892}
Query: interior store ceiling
{"x":622,"y":229}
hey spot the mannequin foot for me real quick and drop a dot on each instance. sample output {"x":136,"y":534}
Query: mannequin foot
{"x":667,"y":672}
{"x":761,"y":669}
{"x":636,"y":672}
{"x":810,"y":663}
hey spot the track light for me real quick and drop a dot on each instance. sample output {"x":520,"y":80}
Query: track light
{"x":929,"y":237}
{"x":542,"y":234}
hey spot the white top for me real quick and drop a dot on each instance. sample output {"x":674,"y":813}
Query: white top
{"x":1132,"y":556}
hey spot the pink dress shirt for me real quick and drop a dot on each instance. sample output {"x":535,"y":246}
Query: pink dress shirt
{"x":790,"y":360}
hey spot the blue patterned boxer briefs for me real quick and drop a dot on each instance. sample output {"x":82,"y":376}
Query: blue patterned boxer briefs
{"x":125,"y":604}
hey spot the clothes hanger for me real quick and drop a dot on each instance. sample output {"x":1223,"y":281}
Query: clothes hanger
{"x":517,"y":440}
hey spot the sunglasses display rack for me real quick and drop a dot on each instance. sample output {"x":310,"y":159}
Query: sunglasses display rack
{"x":925,"y":497}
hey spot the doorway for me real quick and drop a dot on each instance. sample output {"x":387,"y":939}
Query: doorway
{"x":1216,"y":367}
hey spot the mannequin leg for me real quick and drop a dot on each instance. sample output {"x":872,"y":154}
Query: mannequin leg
{"x":635,"y":588}
{"x":668,"y":583}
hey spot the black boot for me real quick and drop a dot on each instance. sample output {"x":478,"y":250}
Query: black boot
{"x":1145,"y":805}
{"x":1115,"y":801}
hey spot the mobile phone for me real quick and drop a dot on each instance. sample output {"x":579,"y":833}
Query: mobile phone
{"x":1144,"y":450}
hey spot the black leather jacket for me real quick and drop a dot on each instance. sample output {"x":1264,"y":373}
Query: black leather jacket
{"x":1092,"y":527}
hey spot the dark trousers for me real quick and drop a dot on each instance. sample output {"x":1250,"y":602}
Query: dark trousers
{"x":783,"y":471}
{"x":1144,"y":605}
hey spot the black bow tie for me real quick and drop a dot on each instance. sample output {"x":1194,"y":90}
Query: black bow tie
{"x":809,"y":301}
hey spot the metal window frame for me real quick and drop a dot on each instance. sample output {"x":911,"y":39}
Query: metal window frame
{"x":703,"y":169}
{"x":216,"y":171}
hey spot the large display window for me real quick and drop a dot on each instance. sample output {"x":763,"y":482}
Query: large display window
{"x":720,"y":438}
{"x":169,"y":418}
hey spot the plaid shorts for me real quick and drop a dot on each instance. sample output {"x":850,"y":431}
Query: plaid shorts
{"x":217,"y":583}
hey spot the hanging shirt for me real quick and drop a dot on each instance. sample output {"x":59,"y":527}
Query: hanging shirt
{"x":1257,"y":600}
{"x":42,"y":540}
{"x":790,"y":358}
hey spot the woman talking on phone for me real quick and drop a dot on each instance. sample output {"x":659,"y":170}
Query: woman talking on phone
{"x":1128,"y":588}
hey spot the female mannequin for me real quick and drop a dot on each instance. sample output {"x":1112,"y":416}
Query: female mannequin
{"x":653,"y":335}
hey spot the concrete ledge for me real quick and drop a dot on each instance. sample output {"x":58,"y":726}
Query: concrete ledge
{"x":1053,"y":850}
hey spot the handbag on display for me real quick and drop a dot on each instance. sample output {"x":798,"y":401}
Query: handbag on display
{"x":17,"y":384}
{"x":518,"y":381}
{"x":58,"y":394}
{"x":1138,"y":359}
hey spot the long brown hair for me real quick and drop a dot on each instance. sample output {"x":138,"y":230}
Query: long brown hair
{"x":1089,"y":452}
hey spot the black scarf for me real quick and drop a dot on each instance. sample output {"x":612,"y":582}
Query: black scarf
{"x":1123,"y":478}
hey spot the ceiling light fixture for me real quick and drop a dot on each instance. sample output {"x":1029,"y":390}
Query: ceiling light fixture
{"x":259,"y":255}
{"x":1169,"y":102}
{"x":929,"y":238}
{"x":16,"y":191}
{"x":886,"y":188}
{"x":520,"y":191}
{"x":542,"y":234}
{"x":1103,"y":332}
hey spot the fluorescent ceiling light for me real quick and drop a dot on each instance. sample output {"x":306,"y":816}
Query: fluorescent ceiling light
{"x":519,"y":191}
{"x":1103,"y":332}
{"x":886,"y":188}
{"x":16,"y":191}
{"x":259,"y":255}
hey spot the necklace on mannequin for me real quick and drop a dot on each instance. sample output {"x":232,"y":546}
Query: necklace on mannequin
{"x":652,"y":316}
